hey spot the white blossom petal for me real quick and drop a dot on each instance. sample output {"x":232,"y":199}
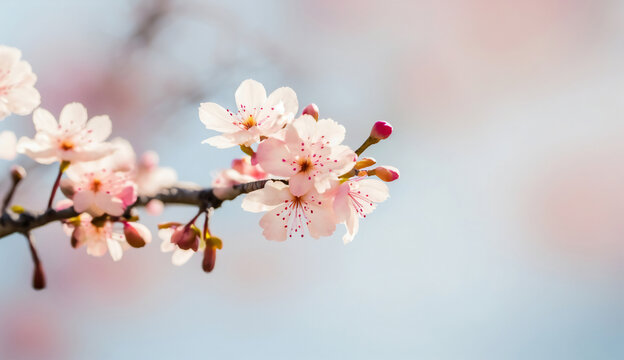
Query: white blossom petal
{"x":217,"y":118}
{"x":273,"y":194}
{"x":73,"y":116}
{"x":99,"y":128}
{"x":115,"y":249}
{"x":8,"y":142}
{"x":181,"y":257}
{"x":250,"y":94}
{"x":83,"y":200}
{"x":44,"y":121}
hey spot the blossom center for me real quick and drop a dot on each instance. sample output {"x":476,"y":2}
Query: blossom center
{"x":249,"y":122}
{"x":96,"y":184}
{"x":305,"y":165}
{"x":67,"y":145}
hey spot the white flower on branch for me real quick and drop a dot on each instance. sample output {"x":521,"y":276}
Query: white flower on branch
{"x":98,"y":188}
{"x":101,"y":237}
{"x":289,"y":215}
{"x":355,"y":199}
{"x":180,"y":256}
{"x":72,"y":139}
{"x":256,"y":115}
{"x":17,"y":92}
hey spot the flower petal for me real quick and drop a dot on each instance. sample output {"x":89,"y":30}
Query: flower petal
{"x":273,"y":226}
{"x":300,"y":184}
{"x":332,"y":132}
{"x":83,"y":200}
{"x":115,"y":249}
{"x":99,"y":128}
{"x":180,"y":257}
{"x":275,"y":158}
{"x":110,"y":205}
{"x":273,"y":194}
{"x":8,"y":141}
{"x":22,"y":100}
{"x":250,"y":94}
{"x":73,"y":116}
{"x":321,"y":221}
{"x":352,"y":224}
{"x":217,"y":118}
{"x":45,"y":121}
{"x":220,"y":142}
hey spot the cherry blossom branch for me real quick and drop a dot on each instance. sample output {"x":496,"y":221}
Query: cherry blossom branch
{"x":203,"y":198}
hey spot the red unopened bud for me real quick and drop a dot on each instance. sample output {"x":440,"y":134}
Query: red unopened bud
{"x":74,"y":237}
{"x":133,"y":237}
{"x":39,"y":281}
{"x":210,"y":257}
{"x":186,"y":238}
{"x":364,"y":163}
{"x":17,"y":173}
{"x":381,"y":130}
{"x":311,"y":110}
{"x":387,"y":173}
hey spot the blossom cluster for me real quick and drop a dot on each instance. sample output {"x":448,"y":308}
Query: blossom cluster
{"x":310,"y":181}
{"x":318,"y":182}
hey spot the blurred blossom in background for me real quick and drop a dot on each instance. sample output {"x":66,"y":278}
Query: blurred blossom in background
{"x":504,"y":238}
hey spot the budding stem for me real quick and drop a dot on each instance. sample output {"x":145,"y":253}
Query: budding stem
{"x":9,"y":195}
{"x":247,"y":150}
{"x":62,"y":169}
{"x":370,"y":141}
{"x":206,"y":232}
{"x":201,"y":210}
{"x":38,"y":282}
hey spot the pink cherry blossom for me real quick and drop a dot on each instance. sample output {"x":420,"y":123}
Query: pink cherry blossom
{"x":98,"y":189}
{"x":357,"y":198}
{"x":310,"y":154}
{"x":7,"y":145}
{"x":72,"y":139}
{"x":17,"y":92}
{"x":256,"y":115}
{"x":100,"y":239}
{"x":151,"y":178}
{"x":180,"y":256}
{"x":289,"y":215}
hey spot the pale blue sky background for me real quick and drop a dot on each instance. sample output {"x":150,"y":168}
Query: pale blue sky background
{"x":502,"y":239}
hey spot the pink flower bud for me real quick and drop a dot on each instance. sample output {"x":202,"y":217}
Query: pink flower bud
{"x":312,"y":110}
{"x":364,"y":163}
{"x":155,"y":207}
{"x":387,"y":173}
{"x":39,"y":281}
{"x":381,"y":130}
{"x":133,"y":237}
{"x":210,"y":257}
{"x":149,"y":160}
{"x":17,"y":173}
{"x":75,"y":238}
{"x":185,"y":238}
